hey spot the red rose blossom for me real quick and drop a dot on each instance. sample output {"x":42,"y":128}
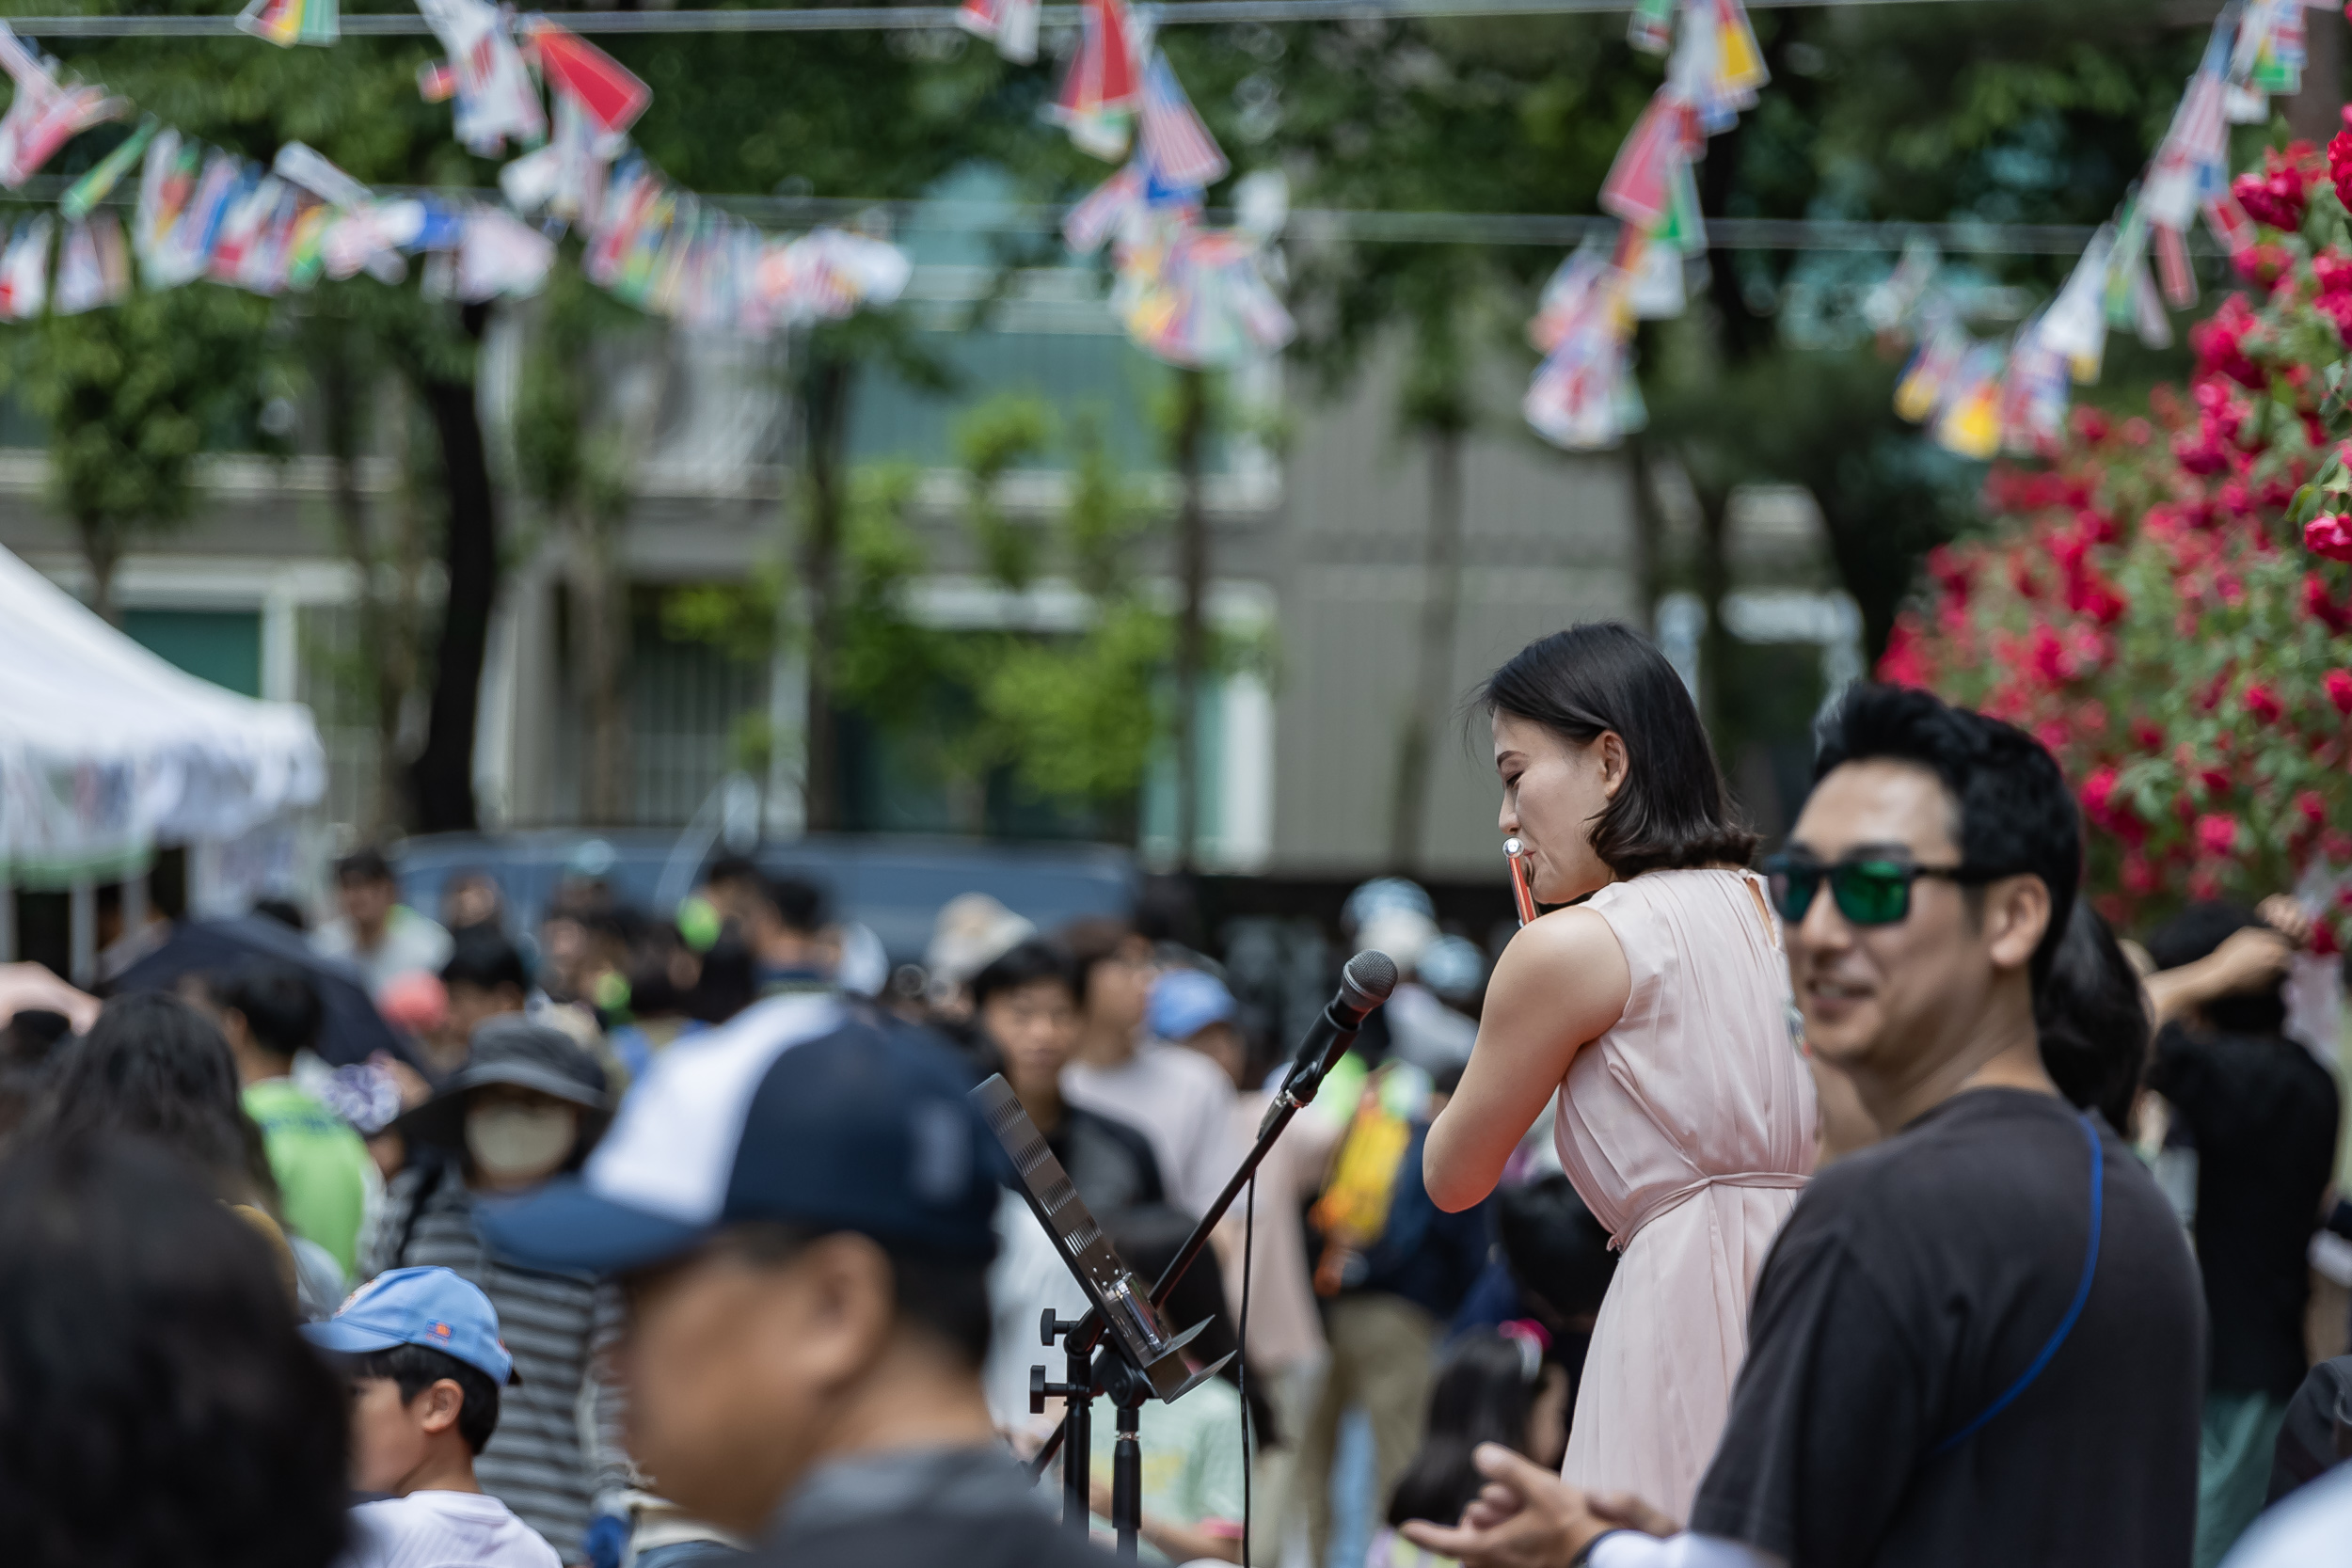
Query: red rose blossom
{"x":2216,"y":833}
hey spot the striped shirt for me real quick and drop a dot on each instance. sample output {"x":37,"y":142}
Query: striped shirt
{"x":557,"y":1445}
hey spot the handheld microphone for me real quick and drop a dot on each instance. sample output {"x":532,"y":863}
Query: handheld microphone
{"x":1364,"y":984}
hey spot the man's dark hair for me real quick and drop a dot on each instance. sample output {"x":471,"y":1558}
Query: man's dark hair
{"x":1094,"y":939}
{"x":153,"y":1068}
{"x":1671,"y":810}
{"x":729,"y":870}
{"x":485,"y":959}
{"x":1026,"y":963}
{"x":2011,"y":812}
{"x":283,"y":911}
{"x":2193,"y":934}
{"x":366,"y":864}
{"x":945,"y":1298}
{"x":2092,"y":1018}
{"x":157,"y":1402}
{"x":417,"y":1368}
{"x":799,"y":904}
{"x":279,"y":1003}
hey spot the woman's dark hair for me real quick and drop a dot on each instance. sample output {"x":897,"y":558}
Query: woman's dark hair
{"x":1026,"y":963}
{"x":484,"y":959}
{"x":1482,"y":1395}
{"x":729,"y":982}
{"x":158,"y":1407}
{"x":2193,"y":934}
{"x":279,"y":1003}
{"x":1671,"y":810}
{"x":1148,"y":1237}
{"x":2092,"y":1017}
{"x":154,"y":1067}
{"x":417,"y":1368}
{"x":2011,"y":812}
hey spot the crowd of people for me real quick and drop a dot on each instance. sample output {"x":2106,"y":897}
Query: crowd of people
{"x":1735,"y":1219}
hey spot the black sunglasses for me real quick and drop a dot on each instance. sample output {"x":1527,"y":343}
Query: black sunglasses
{"x":1866,"y":892}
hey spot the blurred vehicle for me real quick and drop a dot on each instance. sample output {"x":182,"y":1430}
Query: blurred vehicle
{"x":893,"y":885}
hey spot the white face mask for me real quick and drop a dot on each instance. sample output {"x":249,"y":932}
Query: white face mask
{"x":521,"y":1143}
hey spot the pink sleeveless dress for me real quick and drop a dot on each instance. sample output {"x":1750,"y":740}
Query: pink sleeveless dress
{"x":1687,"y":1130}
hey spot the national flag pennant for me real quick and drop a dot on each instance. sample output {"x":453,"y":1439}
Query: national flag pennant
{"x":287,"y":22}
{"x":1738,"y":63}
{"x":2180,"y":280}
{"x":93,"y":187}
{"x":613,"y":95}
{"x":1969,"y":422}
{"x":1101,"y":86}
{"x":1181,"y":151}
{"x":2229,"y":222}
{"x":44,"y":114}
{"x":1011,"y":23}
{"x":1099,"y":213}
{"x":496,"y":101}
{"x":1639,"y":188}
{"x":1651,"y":26}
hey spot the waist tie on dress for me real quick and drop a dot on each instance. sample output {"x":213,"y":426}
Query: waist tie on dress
{"x":1689,"y":1190}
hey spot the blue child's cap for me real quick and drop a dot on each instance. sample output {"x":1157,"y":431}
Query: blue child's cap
{"x":433,"y":1307}
{"x":1185,"y":1002}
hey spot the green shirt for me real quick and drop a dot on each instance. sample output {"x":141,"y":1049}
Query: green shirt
{"x":319,"y":1164}
{"x":1191,"y":1458}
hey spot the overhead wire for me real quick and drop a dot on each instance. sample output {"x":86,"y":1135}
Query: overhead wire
{"x":854,"y":19}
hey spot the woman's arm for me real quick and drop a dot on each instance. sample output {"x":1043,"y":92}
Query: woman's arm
{"x":1561,"y":983}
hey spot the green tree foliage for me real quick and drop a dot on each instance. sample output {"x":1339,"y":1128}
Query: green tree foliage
{"x":130,"y":396}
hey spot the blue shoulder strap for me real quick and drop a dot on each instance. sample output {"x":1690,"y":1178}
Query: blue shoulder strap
{"x":2074,"y":1310}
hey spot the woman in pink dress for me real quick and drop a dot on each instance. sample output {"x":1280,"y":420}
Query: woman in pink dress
{"x":1657,"y":1010}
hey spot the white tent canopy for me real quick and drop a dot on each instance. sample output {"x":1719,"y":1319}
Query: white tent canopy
{"x":106,"y":749}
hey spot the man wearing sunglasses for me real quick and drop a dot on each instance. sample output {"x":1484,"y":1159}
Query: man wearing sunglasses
{"x":1981,"y":1340}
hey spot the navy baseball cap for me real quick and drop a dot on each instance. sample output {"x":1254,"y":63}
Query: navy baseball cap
{"x":433,"y":1307}
{"x":803,"y":1111}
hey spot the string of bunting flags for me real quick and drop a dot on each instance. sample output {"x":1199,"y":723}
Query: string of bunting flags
{"x":202,"y":213}
{"x":1979,"y":398}
{"x":1189,"y":294}
{"x":1583,"y":395}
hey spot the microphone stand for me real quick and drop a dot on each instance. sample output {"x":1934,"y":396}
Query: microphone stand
{"x":1112,"y":1373}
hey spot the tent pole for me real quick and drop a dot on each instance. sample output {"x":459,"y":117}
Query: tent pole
{"x":134,"y":903}
{"x":82,"y":906}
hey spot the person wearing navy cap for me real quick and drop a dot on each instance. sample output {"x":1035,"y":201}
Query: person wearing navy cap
{"x":427,"y":1364}
{"x":799,"y":1208}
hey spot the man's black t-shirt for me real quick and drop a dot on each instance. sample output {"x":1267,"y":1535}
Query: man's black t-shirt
{"x":2263,"y":1113}
{"x":1109,"y":1163}
{"x":935,"y":1508}
{"x":1913,"y":1284}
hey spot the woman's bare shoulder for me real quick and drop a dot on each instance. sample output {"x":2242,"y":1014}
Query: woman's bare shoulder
{"x":1567,"y":953}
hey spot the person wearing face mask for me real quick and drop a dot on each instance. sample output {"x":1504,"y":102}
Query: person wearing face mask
{"x":528,"y":1105}
{"x":1656,"y":1011}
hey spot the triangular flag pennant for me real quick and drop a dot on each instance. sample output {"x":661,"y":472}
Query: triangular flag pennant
{"x":1100,"y":85}
{"x":1181,"y":149}
{"x":1639,"y":186}
{"x":609,"y":91}
{"x":287,"y":22}
{"x":1011,"y":23}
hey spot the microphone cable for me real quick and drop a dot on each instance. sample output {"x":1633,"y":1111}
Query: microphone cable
{"x":1241,"y":1333}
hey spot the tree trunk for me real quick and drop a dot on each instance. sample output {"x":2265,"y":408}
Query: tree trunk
{"x":1440,"y":610}
{"x":824,"y":414}
{"x":102,"y":548}
{"x":601,"y":634}
{"x":1714,"y":577}
{"x":381,"y":650}
{"x":1648,"y":528}
{"x":442,"y":775}
{"x":1192,"y":566}
{"x":2314,"y":113}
